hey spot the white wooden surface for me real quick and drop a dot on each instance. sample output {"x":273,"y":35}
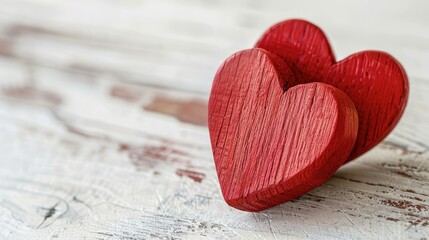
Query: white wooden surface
{"x":103,"y":134}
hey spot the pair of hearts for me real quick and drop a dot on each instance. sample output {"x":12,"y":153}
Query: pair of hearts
{"x":284,"y":116}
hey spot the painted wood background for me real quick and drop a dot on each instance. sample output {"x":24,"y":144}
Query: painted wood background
{"x":103,"y":122}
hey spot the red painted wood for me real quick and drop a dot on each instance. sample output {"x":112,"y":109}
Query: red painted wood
{"x":375,"y":81}
{"x":270,"y":144}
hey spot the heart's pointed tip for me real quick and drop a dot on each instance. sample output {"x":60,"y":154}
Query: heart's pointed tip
{"x":256,"y":202}
{"x":240,"y":204}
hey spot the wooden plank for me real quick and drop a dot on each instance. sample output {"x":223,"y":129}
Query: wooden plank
{"x":103,"y":134}
{"x":131,"y":48}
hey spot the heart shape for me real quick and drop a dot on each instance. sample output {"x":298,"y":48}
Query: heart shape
{"x":375,"y":81}
{"x":271,"y":143}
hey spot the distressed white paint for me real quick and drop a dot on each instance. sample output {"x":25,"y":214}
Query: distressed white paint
{"x":69,"y":155}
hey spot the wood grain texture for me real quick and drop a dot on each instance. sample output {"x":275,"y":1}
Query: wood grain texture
{"x":374,"y":80}
{"x":271,"y":143}
{"x":90,"y":149}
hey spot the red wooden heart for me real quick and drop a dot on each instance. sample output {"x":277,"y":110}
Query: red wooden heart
{"x":375,"y":81}
{"x":271,"y":145}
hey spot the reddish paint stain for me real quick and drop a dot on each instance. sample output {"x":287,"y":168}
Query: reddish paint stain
{"x":414,"y":198}
{"x":125,"y":93}
{"x":412,"y":191}
{"x":409,"y":190}
{"x":404,"y":205}
{"x":124,"y":147}
{"x":404,"y":174}
{"x":193,"y":111}
{"x":412,"y":218}
{"x":151,"y":155}
{"x":196,"y":176}
{"x":392,"y":219}
{"x":388,"y":218}
{"x":33,"y":94}
{"x":6,"y":48}
{"x":415,"y":219}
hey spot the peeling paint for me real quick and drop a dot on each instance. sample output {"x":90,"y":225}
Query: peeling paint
{"x":193,"y":111}
{"x":403,"y":204}
{"x":32,"y":94}
{"x":124,"y":93}
{"x":196,"y":176}
{"x":149,"y":156}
